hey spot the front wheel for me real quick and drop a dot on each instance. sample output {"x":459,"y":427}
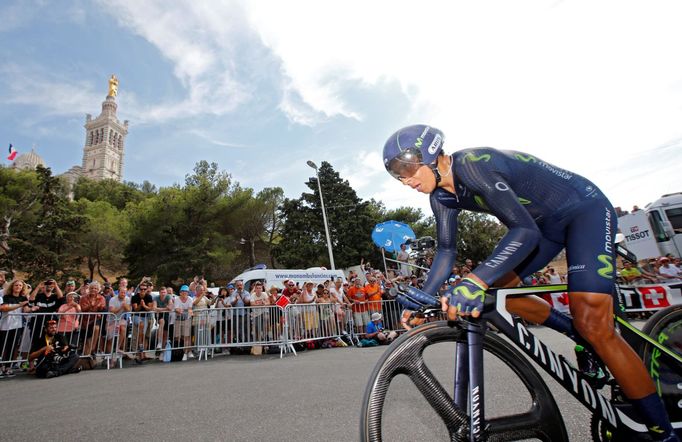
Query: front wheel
{"x":515,"y":394}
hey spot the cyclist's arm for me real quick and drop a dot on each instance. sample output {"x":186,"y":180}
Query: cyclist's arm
{"x":446,"y":233}
{"x":523,"y":234}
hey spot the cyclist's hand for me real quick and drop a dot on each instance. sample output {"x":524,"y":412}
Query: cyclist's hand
{"x":466,"y":299}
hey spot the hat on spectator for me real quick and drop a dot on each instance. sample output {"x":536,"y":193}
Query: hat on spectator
{"x":376,"y":316}
{"x":230,"y":286}
{"x":70,"y":282}
{"x":184,"y":288}
{"x":663,"y":259}
{"x":308,"y":282}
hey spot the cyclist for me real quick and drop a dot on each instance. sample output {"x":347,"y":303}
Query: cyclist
{"x":545,"y":209}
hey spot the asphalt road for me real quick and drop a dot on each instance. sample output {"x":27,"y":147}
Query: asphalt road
{"x":310,"y":397}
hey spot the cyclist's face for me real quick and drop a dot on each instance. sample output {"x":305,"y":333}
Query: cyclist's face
{"x":423,"y":180}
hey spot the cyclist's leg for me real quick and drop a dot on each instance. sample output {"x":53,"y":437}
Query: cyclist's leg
{"x":590,"y":255}
{"x":533,"y":308}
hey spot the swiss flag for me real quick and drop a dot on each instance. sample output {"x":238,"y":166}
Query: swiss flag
{"x":12,"y":153}
{"x":283,"y":301}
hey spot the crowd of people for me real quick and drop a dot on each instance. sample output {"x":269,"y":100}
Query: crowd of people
{"x":229,"y":314}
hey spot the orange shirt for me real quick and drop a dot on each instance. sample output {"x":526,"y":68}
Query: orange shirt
{"x":357,"y":295}
{"x":373,"y":292}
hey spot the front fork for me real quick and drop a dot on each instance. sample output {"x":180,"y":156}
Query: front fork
{"x":468,"y":393}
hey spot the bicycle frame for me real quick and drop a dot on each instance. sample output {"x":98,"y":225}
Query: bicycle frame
{"x":469,"y":384}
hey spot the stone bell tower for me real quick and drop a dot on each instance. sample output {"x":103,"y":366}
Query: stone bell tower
{"x":105,"y":140}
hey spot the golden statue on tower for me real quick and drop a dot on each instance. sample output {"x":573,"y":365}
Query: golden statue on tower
{"x":113,"y":86}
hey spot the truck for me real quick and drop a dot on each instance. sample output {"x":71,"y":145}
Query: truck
{"x":665,"y":218}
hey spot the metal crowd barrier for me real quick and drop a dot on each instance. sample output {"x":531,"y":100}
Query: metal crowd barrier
{"x":113,"y":337}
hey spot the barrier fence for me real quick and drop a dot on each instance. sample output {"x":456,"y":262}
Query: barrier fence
{"x":201,"y":333}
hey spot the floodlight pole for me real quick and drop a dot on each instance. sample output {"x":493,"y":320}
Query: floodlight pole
{"x":324,"y":215}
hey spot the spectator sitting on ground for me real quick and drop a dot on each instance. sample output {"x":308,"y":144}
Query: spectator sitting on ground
{"x":667,"y":271}
{"x":53,"y":355}
{"x":376,"y":332}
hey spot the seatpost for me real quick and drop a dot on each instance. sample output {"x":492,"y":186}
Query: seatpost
{"x":475,"y":334}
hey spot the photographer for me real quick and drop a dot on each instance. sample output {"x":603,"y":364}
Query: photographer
{"x":376,"y":332}
{"x":52,"y":355}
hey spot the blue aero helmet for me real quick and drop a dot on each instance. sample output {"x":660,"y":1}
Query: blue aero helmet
{"x":410,"y":148}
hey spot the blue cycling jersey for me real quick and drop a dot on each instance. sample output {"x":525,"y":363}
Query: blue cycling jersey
{"x":545,"y":209}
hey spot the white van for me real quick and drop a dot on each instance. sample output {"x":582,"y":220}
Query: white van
{"x":665,"y":217}
{"x":277,"y":277}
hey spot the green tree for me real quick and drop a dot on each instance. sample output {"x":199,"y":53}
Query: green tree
{"x":180,"y":231}
{"x":115,"y":193}
{"x":477,"y":235}
{"x":105,"y":237}
{"x":18,"y":201}
{"x":350,"y":221}
{"x":49,"y":247}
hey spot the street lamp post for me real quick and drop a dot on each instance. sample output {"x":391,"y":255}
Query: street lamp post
{"x":324,"y":215}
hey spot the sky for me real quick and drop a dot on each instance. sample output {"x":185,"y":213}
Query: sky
{"x":261,"y":87}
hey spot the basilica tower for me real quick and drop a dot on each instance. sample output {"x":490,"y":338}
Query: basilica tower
{"x":105,"y":140}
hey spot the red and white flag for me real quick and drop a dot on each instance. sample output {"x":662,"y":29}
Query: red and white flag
{"x":12,"y":153}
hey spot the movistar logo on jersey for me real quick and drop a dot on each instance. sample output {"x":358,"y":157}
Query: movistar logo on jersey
{"x":419,"y":142}
{"x":525,"y":158}
{"x":471,"y":156}
{"x":607,"y":270}
{"x":524,"y":201}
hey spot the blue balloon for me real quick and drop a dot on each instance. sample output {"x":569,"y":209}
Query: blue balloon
{"x":391,"y":234}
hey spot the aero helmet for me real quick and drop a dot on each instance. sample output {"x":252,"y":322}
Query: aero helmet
{"x":410,"y":148}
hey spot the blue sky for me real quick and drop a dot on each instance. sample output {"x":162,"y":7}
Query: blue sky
{"x":261,"y":87}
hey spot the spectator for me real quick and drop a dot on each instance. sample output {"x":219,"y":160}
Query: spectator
{"x":117,"y":325}
{"x":339,"y":293}
{"x":552,"y":276}
{"x":221,"y":305}
{"x":68,"y":323}
{"x":45,"y":299}
{"x":310,"y":319}
{"x":291,"y":291}
{"x":667,"y":271}
{"x":183,"y":321}
{"x":632,"y":275}
{"x":240,"y":298}
{"x":107,"y":292}
{"x":143,"y":306}
{"x":376,"y":332}
{"x":200,"y":306}
{"x":164,"y":309}
{"x":14,"y":303}
{"x":69,"y":287}
{"x":403,"y":257}
{"x":374,"y":294}
{"x":259,"y":313}
{"x":3,"y":281}
{"x":53,"y":354}
{"x":358,"y":299}
{"x":92,"y":303}
{"x":327,"y":313}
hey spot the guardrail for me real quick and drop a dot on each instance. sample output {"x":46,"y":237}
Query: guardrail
{"x":111,"y":338}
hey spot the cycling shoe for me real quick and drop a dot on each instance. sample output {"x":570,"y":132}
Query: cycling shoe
{"x":590,"y":365}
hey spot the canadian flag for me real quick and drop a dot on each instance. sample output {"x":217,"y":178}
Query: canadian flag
{"x":12,"y":153}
